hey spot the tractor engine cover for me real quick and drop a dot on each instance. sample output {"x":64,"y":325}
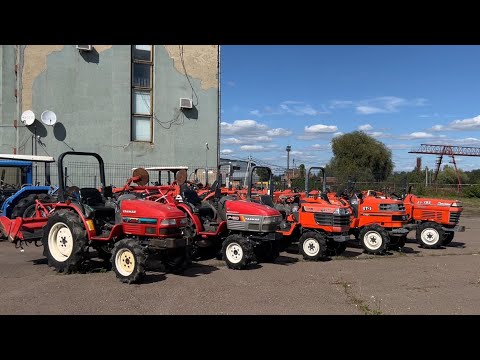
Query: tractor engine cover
{"x":149,"y":218}
{"x":248,"y":216}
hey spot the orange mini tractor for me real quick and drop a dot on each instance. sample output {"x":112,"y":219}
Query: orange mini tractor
{"x":319,"y":226}
{"x":437,"y":219}
{"x":377,"y":222}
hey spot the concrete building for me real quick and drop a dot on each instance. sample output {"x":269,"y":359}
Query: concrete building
{"x":121,"y":101}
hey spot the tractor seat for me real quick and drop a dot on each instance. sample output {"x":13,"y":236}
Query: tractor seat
{"x":91,"y":196}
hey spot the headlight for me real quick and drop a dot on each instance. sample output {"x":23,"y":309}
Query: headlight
{"x":271,"y":219}
{"x":341,"y":211}
{"x":457,"y":204}
{"x":168,"y":222}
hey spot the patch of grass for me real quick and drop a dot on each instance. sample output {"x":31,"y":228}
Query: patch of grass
{"x":359,"y":303}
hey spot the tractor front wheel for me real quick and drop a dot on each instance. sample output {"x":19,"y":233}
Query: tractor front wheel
{"x":128,"y":261}
{"x":237,"y":252}
{"x":374,"y":239}
{"x":448,"y":237}
{"x":313,"y":246}
{"x":430,"y":235}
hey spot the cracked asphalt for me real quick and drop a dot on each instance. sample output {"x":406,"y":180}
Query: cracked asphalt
{"x":415,"y":281}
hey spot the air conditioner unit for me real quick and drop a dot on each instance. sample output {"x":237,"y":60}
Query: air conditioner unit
{"x":84,"y":47}
{"x":186,"y":103}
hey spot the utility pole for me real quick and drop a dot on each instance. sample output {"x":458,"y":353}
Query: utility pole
{"x":206,"y":163}
{"x":288,"y":149}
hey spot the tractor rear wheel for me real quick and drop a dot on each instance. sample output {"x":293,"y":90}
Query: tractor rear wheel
{"x":430,"y":235}
{"x":128,"y":261}
{"x":26,"y":207}
{"x":374,"y":239}
{"x":237,"y":252}
{"x":448,"y":237}
{"x":65,"y":242}
{"x":313,"y":246}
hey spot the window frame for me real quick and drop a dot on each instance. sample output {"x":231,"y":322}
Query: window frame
{"x":134,"y":88}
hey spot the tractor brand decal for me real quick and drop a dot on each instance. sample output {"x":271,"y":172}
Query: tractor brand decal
{"x":443,"y":204}
{"x":424,"y":202}
{"x":367,"y":208}
{"x":249,"y":218}
{"x":312,"y":209}
{"x":130,"y":211}
{"x":139,"y":220}
{"x":234,"y":217}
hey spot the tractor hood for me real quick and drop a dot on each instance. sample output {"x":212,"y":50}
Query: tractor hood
{"x":432,"y":201}
{"x":143,"y":208}
{"x":250,"y":208}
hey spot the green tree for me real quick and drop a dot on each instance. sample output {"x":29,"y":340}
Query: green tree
{"x":262,"y":174}
{"x":449,"y":176}
{"x":301,"y":169}
{"x":359,"y":155}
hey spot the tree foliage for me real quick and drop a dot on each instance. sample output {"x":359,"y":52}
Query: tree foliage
{"x":359,"y":155}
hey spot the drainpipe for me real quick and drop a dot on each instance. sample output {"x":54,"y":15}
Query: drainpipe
{"x":219,"y":109}
{"x":19,"y":64}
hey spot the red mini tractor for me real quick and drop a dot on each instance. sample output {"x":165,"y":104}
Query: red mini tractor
{"x":437,"y":219}
{"x":320,"y":227}
{"x":128,"y":231}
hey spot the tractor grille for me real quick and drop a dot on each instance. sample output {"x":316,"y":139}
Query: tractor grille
{"x":432,"y":215}
{"x":332,"y":220}
{"x":454,"y":217}
{"x":392,"y":207}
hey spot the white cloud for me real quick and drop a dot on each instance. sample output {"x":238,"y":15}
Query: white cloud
{"x":365,"y":127}
{"x":253,"y":148}
{"x":298,"y":108}
{"x":279,"y":132}
{"x":262,"y":138}
{"x":232,"y":140}
{"x":420,"y":135}
{"x":242,"y":127}
{"x":296,"y":152}
{"x":320,"y":128}
{"x":382,"y":104}
{"x":438,"y":128}
{"x":339,"y":133}
{"x":321,"y":147}
{"x":466,"y":124}
{"x":226,"y":151}
{"x":469,"y":124}
{"x":399,"y":146}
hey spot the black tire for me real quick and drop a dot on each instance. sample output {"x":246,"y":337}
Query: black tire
{"x":237,"y":252}
{"x":397,"y":242}
{"x":26,"y":206}
{"x":447,"y":239}
{"x":129,"y":261}
{"x":313,"y":246}
{"x":335,"y":248}
{"x":374,"y":239}
{"x":65,"y":242}
{"x":267,"y":252}
{"x":430,"y":235}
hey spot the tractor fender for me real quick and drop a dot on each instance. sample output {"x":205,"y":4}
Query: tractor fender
{"x":188,"y":210}
{"x":74,"y":207}
{"x":11,"y":201}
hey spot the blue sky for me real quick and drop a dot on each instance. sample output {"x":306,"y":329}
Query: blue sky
{"x":303,"y":96}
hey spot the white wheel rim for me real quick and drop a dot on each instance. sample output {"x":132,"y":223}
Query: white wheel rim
{"x":430,"y":236}
{"x":125,"y":262}
{"x":60,"y":242}
{"x":373,"y":240}
{"x":234,"y":253}
{"x":311,"y":247}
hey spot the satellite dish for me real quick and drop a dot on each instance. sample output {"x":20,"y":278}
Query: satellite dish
{"x":49,"y":118}
{"x":28,"y":117}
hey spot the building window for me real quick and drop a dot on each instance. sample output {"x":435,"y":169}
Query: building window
{"x":142,"y":93}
